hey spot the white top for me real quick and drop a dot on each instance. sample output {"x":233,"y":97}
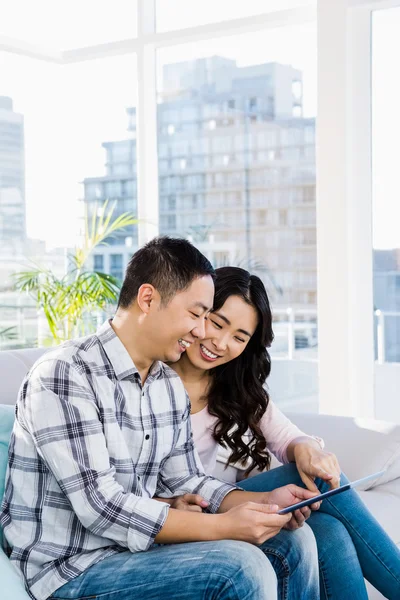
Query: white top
{"x":277,"y":429}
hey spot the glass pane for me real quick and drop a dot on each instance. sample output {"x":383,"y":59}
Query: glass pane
{"x":64,"y":146}
{"x":386,"y":204}
{"x":236,"y":143}
{"x":65,"y":25}
{"x":177,"y":14}
{"x":386,"y":210}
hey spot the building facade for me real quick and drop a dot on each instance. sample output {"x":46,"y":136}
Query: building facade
{"x":236,"y":173}
{"x":12,"y":175}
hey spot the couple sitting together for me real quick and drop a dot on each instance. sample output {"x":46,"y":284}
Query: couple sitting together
{"x":110,"y":491}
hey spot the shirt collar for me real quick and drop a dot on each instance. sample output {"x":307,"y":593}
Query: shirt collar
{"x":119,"y":357}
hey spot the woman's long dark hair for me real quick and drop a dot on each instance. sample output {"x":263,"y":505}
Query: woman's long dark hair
{"x":236,"y":394}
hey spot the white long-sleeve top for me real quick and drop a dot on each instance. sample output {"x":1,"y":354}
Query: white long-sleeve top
{"x":277,"y":429}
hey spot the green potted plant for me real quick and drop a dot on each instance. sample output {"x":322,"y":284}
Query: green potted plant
{"x":68,"y":303}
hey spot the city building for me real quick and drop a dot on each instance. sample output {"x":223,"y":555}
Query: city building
{"x":118,"y":186}
{"x":19,"y":316}
{"x":236,"y":170}
{"x":12,"y":174}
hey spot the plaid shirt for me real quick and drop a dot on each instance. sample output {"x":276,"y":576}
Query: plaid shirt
{"x":90,"y":449}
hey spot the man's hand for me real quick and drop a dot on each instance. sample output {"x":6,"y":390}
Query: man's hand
{"x":291,"y":494}
{"x":252,"y":522}
{"x":312,"y":462}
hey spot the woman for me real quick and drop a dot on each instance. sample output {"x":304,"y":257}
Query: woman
{"x":225,"y":376}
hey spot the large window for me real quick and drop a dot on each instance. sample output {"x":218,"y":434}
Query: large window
{"x":386,"y":210}
{"x":386,"y":203}
{"x":236,"y":142}
{"x":176,"y":14}
{"x":56,"y":25}
{"x":227,"y":93}
{"x":63,"y":131}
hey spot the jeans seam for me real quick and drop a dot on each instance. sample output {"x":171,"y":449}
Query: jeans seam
{"x":324,"y":579}
{"x":287,"y":574}
{"x":350,"y":526}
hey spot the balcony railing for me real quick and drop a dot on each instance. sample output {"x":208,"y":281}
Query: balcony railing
{"x":296,"y":331}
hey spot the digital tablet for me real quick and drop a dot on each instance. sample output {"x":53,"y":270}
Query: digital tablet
{"x":338,"y":490}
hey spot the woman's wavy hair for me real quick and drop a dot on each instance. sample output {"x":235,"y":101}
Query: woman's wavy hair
{"x":237,"y":395}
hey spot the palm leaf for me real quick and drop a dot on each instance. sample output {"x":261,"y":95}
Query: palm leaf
{"x":68,"y":302}
{"x":9,"y":333}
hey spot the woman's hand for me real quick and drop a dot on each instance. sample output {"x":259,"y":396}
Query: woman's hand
{"x":291,"y":494}
{"x":312,"y":462}
{"x":192,"y":502}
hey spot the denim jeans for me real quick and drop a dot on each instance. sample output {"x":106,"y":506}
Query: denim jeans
{"x":294,"y":557}
{"x":351,"y":543}
{"x":223,"y":570}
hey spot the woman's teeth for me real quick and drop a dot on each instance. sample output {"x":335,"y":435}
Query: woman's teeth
{"x":207,"y":352}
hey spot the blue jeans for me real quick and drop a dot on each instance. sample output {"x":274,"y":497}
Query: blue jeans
{"x":294,"y":557}
{"x":351,"y":543}
{"x":223,"y":570}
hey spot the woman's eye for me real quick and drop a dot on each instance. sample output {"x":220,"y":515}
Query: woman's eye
{"x":197,"y":316}
{"x":240,"y":340}
{"x":217,"y":325}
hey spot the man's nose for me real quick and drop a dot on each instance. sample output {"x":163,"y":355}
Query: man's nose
{"x":200,"y":330}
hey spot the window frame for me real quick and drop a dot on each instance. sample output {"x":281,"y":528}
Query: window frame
{"x":343,"y":159}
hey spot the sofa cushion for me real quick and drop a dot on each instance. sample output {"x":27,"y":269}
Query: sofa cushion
{"x":12,"y":585}
{"x":6,"y":424}
{"x":15,"y":364}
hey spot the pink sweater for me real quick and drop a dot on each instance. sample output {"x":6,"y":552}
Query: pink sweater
{"x":278,"y":430}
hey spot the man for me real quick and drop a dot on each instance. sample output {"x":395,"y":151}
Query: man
{"x":102,"y":428}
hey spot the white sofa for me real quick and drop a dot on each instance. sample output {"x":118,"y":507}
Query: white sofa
{"x":362,"y":446}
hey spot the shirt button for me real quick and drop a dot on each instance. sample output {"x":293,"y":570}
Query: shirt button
{"x":138,"y":477}
{"x":147,"y":437}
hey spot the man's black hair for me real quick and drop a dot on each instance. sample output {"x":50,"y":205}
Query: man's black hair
{"x":169,"y":264}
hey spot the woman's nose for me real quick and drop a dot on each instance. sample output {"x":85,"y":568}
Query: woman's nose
{"x":220,"y":343}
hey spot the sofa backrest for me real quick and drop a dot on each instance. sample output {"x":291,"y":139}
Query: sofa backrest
{"x":14,"y":364}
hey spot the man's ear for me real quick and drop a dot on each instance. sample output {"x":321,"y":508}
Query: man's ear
{"x":147,"y":294}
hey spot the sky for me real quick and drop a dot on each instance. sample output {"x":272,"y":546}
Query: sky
{"x":71,"y":110}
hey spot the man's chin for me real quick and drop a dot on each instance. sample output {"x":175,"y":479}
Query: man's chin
{"x":173,"y":357}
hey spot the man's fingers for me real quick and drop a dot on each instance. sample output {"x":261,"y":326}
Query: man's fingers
{"x":305,"y":511}
{"x":266,"y":508}
{"x":300,"y":518}
{"x":302,"y":493}
{"x":271,"y":509}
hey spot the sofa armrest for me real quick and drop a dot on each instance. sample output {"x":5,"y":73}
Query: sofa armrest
{"x":12,"y":585}
{"x":363,"y":446}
